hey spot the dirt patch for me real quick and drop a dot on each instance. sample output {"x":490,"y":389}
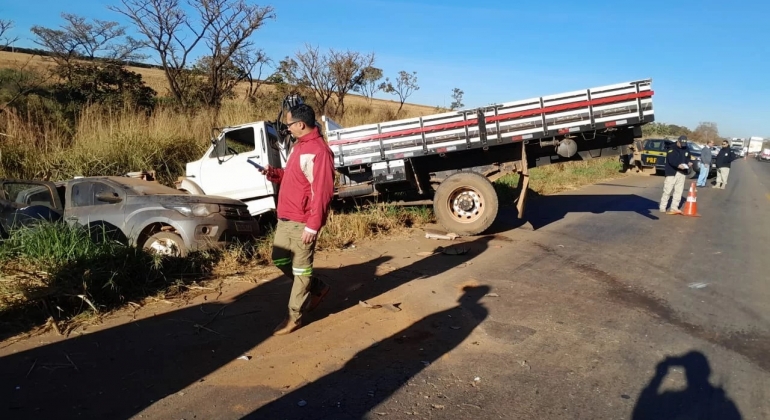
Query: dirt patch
{"x":507,"y":333}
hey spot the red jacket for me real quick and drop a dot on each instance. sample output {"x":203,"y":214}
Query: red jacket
{"x":307,"y":182}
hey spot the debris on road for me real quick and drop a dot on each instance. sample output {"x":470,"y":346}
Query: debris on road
{"x":244,"y":357}
{"x":492,"y":295}
{"x":452,"y":250}
{"x":302,"y":403}
{"x":455,"y":250}
{"x":393,"y":307}
{"x":697,"y":285}
{"x":447,"y":237}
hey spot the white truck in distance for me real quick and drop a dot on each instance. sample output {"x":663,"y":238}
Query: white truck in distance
{"x":755,"y":145}
{"x":449,"y":159}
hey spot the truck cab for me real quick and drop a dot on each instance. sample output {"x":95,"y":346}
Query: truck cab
{"x":227,"y":168}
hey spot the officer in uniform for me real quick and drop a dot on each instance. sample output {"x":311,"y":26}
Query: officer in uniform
{"x":677,"y":167}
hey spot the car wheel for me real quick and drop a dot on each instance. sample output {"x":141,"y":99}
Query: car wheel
{"x":167,"y":244}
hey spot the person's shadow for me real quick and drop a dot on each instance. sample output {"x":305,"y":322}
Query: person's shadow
{"x":116,"y":373}
{"x":375,"y":373}
{"x":700,"y":400}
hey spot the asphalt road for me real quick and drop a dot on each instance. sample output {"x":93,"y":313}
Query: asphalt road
{"x":598,"y":307}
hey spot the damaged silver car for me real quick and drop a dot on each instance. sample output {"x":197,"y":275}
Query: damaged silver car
{"x":138,"y":212}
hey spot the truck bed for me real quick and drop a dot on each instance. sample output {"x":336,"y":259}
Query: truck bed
{"x":582,"y":111}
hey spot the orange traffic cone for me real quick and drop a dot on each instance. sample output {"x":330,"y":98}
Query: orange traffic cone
{"x":691,"y":206}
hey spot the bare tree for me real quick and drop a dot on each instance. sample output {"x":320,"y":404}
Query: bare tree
{"x":225,"y":26}
{"x":208,"y":92}
{"x":79,"y":38}
{"x":5,"y":40}
{"x":346,"y":69}
{"x":368,"y":82}
{"x":252,"y":64}
{"x":406,"y":84}
{"x":18,"y":82}
{"x":457,"y":99}
{"x":310,"y":71}
{"x":706,"y":131}
{"x":233,"y":22}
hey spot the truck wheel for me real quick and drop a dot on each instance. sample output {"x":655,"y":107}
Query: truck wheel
{"x":465,"y":203}
{"x":166,"y":243}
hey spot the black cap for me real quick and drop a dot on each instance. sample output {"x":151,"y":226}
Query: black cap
{"x":682,"y":138}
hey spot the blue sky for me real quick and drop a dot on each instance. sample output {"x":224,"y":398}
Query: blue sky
{"x":709,"y":60}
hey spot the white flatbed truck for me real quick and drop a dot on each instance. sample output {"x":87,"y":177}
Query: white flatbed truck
{"x":450,"y":158}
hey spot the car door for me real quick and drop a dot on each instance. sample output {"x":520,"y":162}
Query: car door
{"x":654,"y":153}
{"x":24,"y":203}
{"x":31,"y":193}
{"x":227,"y":171}
{"x":98,"y":205}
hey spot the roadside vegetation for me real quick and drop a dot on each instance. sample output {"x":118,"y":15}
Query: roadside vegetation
{"x":56,"y":276}
{"x":86,"y":104}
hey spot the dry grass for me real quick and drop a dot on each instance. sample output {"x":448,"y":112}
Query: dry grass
{"x":109,"y":142}
{"x":552,"y":179}
{"x":156,"y":79}
{"x":344,"y":229}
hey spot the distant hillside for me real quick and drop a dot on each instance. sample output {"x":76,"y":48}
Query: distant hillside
{"x":154,"y":77}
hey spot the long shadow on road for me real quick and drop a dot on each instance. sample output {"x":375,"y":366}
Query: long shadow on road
{"x":118,"y":372}
{"x":542,"y":210}
{"x":700,"y":400}
{"x":376,"y":373}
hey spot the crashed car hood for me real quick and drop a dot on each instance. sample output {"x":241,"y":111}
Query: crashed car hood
{"x":186,"y":199}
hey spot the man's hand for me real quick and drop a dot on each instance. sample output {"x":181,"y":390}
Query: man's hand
{"x":265,"y":171}
{"x":307,"y":237}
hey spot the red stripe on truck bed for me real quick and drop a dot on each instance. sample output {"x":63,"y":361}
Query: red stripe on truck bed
{"x":501,"y":117}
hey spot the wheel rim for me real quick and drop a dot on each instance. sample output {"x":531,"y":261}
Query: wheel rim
{"x":164,"y":246}
{"x":466,"y":204}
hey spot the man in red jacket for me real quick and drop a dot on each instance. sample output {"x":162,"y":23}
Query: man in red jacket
{"x":306,"y":190}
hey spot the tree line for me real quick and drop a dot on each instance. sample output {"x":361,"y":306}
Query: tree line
{"x":704,"y":132}
{"x":91,"y":57}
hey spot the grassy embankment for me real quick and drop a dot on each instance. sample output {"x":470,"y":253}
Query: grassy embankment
{"x":59,"y":274}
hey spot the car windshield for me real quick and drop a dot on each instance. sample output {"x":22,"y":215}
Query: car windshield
{"x":655,"y":145}
{"x":694,"y":147}
{"x":142,"y":187}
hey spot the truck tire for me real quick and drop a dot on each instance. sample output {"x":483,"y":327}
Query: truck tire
{"x":465,"y":203}
{"x":166,"y":243}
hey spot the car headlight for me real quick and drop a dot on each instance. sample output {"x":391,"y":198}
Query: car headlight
{"x":198,"y":210}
